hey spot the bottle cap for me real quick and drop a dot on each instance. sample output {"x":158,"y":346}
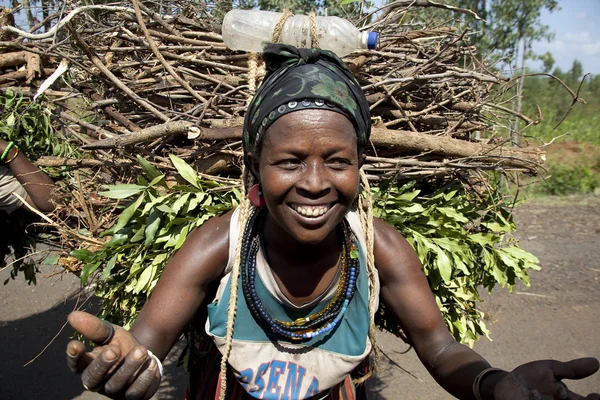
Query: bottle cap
{"x":372,"y":40}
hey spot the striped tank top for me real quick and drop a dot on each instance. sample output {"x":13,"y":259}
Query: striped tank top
{"x":269,"y":366}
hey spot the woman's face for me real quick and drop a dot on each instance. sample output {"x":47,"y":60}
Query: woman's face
{"x":309,"y":172}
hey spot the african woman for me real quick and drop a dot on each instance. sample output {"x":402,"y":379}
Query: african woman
{"x":301,"y":265}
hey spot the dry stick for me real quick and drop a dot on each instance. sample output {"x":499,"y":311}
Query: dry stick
{"x":96,"y":61}
{"x":158,"y":18}
{"x":215,"y":45}
{"x":194,"y":60}
{"x":64,"y":21}
{"x":111,"y":111}
{"x":158,"y":55}
{"x":575,"y":100}
{"x":48,"y":161}
{"x":447,"y":74}
{"x":97,"y":130}
{"x":57,"y":226}
{"x":405,"y":141}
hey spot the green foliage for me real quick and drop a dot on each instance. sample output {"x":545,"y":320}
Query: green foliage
{"x":456,"y":238}
{"x":28,"y":124}
{"x":149,"y":230}
{"x":507,"y":22}
{"x":569,"y":179}
{"x":461,"y":242}
{"x":17,"y":241}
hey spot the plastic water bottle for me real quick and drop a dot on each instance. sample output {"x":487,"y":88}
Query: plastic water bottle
{"x":248,"y":30}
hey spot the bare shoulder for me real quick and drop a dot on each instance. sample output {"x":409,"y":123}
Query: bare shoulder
{"x":395,"y":258}
{"x":205,"y":253}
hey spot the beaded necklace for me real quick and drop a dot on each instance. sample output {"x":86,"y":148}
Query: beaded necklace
{"x":312,"y":325}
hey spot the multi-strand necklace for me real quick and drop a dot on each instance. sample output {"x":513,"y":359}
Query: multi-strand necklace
{"x":312,"y":325}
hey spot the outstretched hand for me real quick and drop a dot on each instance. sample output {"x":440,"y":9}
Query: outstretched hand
{"x":118,"y":367}
{"x":542,"y":380}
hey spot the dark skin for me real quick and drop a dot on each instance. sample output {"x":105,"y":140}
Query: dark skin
{"x":38,"y":185}
{"x":308,"y":160}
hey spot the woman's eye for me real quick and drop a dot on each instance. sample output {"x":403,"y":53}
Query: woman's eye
{"x":289,"y":164}
{"x":338,"y":163}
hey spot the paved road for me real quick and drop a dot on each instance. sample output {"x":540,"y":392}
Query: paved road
{"x":558,"y":317}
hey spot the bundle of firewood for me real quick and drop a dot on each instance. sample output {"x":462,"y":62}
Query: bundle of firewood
{"x":125,"y":81}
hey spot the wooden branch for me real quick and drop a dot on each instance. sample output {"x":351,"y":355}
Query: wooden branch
{"x":170,"y":70}
{"x":165,"y":130}
{"x":96,"y":61}
{"x":20,"y":75}
{"x":50,"y":161}
{"x":110,"y":110}
{"x":402,"y":141}
{"x":64,"y":21}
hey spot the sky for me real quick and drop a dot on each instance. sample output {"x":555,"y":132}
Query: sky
{"x":576,"y":28}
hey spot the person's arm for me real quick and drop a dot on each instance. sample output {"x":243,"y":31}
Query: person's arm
{"x":405,"y":291}
{"x":113,"y":367}
{"x":38,"y":185}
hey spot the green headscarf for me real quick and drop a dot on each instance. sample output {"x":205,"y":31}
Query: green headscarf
{"x":299,"y":79}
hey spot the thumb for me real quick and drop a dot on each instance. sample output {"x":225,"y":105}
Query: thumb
{"x":90,"y":326}
{"x":575,"y":369}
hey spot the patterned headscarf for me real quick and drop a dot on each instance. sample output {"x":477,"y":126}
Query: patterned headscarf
{"x":299,"y":79}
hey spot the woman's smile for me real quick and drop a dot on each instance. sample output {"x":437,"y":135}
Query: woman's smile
{"x":308,"y":172}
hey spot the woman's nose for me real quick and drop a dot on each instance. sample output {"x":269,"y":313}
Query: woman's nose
{"x":314,"y":180}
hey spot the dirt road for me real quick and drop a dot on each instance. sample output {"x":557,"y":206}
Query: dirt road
{"x":558,"y":317}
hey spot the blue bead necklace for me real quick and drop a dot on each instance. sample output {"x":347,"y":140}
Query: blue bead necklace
{"x":312,"y":325}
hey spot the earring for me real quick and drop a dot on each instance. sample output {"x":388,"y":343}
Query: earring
{"x":256,"y":197}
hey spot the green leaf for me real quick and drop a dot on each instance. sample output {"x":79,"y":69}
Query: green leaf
{"x":344,"y":2}
{"x":185,"y":170}
{"x":444,"y":265}
{"x":109,"y":266}
{"x":121,"y":191}
{"x":87,"y":270}
{"x":152,"y":226}
{"x":150,"y":170}
{"x":51,"y":259}
{"x":83,"y":255}
{"x":126,"y":215}
{"x":144,"y":279}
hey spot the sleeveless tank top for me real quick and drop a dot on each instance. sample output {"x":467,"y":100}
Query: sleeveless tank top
{"x":269,"y":366}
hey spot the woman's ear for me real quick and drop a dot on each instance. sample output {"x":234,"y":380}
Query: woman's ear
{"x":254,"y":164}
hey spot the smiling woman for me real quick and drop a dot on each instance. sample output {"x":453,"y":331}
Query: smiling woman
{"x":300,"y":266}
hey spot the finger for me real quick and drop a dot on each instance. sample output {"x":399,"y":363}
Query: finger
{"x":575,"y":369}
{"x":147,"y":381}
{"x":535,"y":395}
{"x":77,"y":358}
{"x":126,"y":371}
{"x":91,"y":327}
{"x":593,"y":396}
{"x":97,"y":372}
{"x":155,"y":383}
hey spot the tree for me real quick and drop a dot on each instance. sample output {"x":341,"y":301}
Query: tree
{"x":548,"y":61}
{"x":575,"y":72}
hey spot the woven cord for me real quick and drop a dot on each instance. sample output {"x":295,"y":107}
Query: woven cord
{"x":366,"y":218}
{"x":252,"y":73}
{"x":278,"y":29}
{"x":245,"y":209}
{"x":314,"y":35}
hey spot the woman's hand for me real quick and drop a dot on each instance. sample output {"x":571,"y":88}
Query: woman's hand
{"x":541,"y":380}
{"x":119,"y":367}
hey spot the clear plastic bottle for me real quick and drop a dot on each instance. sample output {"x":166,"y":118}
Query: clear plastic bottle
{"x":248,"y":30}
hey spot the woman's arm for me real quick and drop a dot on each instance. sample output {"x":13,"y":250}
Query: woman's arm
{"x":183,"y":285}
{"x":120,"y":366}
{"x":405,"y":291}
{"x":38,"y":185}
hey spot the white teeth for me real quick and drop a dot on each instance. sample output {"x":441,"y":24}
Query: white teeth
{"x":310,"y":211}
